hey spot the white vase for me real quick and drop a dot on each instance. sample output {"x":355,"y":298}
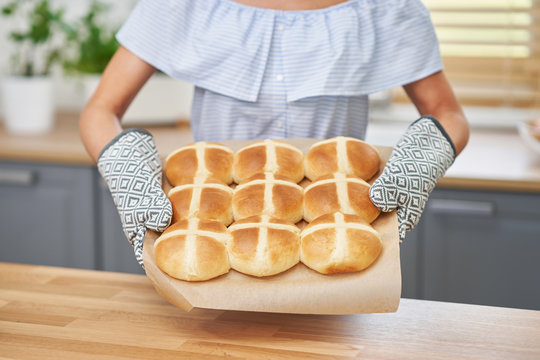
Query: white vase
{"x":162,"y":100}
{"x":28,"y":104}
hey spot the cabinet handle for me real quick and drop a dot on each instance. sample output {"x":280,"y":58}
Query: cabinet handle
{"x":461,"y":207}
{"x":17,"y":177}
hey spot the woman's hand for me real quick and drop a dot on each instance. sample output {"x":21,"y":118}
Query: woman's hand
{"x":128,"y":160}
{"x":423,"y":154}
{"x":419,"y":160}
{"x":131,"y":166}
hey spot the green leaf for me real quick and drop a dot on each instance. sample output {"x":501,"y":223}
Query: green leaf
{"x":95,"y":42}
{"x":10,"y":8}
{"x":34,"y":41}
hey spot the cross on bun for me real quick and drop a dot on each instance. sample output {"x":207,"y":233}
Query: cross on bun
{"x":277,"y":157}
{"x":339,"y":243}
{"x":193,"y":250}
{"x":205,"y":159}
{"x":205,"y":198}
{"x":342,"y":154}
{"x":268,"y":194}
{"x":339,"y":192}
{"x":263,"y":246}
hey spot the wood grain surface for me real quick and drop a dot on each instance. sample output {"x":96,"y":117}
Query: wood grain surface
{"x":60,"y":313}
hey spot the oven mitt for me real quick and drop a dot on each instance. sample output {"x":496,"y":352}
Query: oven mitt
{"x":418,"y":161}
{"x":131,"y":166}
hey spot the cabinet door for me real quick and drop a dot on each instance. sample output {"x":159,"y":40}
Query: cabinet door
{"x":408,"y":251}
{"x":46,"y":215}
{"x":116,"y":253}
{"x":482,"y":248}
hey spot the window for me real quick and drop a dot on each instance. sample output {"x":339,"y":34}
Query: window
{"x":490,"y":49}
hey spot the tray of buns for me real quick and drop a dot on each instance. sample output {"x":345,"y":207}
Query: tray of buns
{"x":276,"y":226}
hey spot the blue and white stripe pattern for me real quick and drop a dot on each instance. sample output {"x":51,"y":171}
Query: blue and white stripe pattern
{"x":262,"y":73}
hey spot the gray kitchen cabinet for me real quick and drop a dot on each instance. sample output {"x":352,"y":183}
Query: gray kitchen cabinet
{"x":408,"y":251}
{"x":480,"y":247}
{"x":116,"y":253}
{"x":47,"y":214}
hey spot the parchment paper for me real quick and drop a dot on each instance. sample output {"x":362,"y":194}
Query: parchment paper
{"x":300,"y":290}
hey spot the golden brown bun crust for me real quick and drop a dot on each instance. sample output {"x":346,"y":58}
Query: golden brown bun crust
{"x":339,"y":193}
{"x":201,"y":158}
{"x":208,"y":199}
{"x":273,"y":156}
{"x":339,"y":243}
{"x":284,"y":202}
{"x":203,"y":225}
{"x":321,"y":159}
{"x":364,"y":158}
{"x":193,"y":250}
{"x":269,"y":242}
{"x":342,"y":154}
{"x":261,"y":246}
{"x":248,"y":162}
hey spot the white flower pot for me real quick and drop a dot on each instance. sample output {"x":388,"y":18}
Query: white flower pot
{"x":162,"y":100}
{"x":28,"y":104}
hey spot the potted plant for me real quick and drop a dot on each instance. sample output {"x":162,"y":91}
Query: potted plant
{"x":27,"y":91}
{"x":93,"y":44}
{"x":162,"y":99}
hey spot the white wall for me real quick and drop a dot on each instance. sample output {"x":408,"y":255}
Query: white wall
{"x":68,"y":93}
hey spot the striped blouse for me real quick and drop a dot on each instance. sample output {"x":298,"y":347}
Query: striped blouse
{"x":263,"y":73}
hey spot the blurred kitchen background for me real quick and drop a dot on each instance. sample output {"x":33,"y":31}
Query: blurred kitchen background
{"x":478,"y":240}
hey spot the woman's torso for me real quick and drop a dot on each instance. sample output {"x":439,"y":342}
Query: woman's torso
{"x":264,"y":72}
{"x":216,"y":117}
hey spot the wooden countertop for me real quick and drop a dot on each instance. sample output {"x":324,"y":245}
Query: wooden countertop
{"x":63,"y":145}
{"x":493,"y":159}
{"x":60,"y":313}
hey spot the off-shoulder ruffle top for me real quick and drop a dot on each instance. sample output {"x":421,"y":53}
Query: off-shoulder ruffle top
{"x":262,"y":73}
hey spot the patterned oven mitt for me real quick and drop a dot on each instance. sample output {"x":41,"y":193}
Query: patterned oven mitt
{"x":131,"y":166}
{"x":419,"y":160}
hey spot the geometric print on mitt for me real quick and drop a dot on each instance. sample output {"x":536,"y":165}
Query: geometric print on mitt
{"x":131,"y":166}
{"x":420,"y":158}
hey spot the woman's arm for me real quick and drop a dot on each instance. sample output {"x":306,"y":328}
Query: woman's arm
{"x":423,"y":154}
{"x":434,"y":96}
{"x":99,"y":122}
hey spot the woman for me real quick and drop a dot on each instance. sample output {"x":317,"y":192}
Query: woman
{"x":276,"y":69}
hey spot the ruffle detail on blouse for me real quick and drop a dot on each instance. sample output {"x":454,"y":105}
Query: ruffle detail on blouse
{"x":353,"y":48}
